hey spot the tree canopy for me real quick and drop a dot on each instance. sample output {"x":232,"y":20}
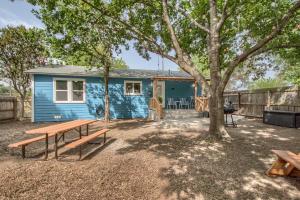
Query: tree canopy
{"x":224,"y":34}
{"x":21,"y":49}
{"x":267,"y":83}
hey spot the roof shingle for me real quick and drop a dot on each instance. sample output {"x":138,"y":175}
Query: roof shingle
{"x":70,"y":70}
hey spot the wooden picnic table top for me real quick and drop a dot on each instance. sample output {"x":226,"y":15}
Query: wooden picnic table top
{"x":57,"y":128}
{"x":288,"y":156}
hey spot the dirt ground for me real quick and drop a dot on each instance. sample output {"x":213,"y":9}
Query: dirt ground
{"x":142,"y":161}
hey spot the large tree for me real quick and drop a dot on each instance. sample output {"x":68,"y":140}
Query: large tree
{"x":77,"y":32}
{"x":21,"y":49}
{"x":224,"y":33}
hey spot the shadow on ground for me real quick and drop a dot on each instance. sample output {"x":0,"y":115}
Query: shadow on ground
{"x":222,"y":170}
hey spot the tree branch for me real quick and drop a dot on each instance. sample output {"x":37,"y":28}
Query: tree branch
{"x":276,"y":30}
{"x":281,"y":46}
{"x":183,"y":60}
{"x":126,"y":25}
{"x":224,"y":16}
{"x":193,"y":21}
{"x":171,"y":30}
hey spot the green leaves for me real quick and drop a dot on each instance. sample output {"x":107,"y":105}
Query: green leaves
{"x":78,"y":32}
{"x":267,"y":83}
{"x":21,"y":49}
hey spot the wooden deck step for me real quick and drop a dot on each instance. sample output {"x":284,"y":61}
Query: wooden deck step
{"x":86,"y":139}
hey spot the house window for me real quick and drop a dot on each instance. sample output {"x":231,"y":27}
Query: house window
{"x":133,"y":87}
{"x":77,"y":91}
{"x":61,"y":90}
{"x":69,"y":91}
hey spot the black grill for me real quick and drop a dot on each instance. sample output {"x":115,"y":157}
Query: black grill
{"x":229,"y":110}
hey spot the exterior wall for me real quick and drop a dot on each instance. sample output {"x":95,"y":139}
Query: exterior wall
{"x":122,"y":106}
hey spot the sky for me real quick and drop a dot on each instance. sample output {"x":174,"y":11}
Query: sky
{"x":19,"y":12}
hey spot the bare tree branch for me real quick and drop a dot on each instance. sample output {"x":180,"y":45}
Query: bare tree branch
{"x":276,"y":30}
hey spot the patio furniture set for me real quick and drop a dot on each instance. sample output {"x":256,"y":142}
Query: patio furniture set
{"x":58,"y":131}
{"x":181,"y":103}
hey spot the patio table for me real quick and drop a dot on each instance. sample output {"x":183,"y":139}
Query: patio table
{"x":54,"y":130}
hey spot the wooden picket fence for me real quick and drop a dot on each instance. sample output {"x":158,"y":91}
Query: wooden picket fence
{"x":253,"y":102}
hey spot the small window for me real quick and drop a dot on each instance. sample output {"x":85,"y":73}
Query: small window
{"x":133,"y":88}
{"x":69,"y":91}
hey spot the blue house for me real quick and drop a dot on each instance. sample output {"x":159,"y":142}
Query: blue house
{"x":63,"y":93}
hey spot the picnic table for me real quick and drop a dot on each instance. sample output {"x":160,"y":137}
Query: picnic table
{"x":287,"y":164}
{"x":55,"y":130}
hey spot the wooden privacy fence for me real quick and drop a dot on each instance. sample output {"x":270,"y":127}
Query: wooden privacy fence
{"x":253,"y":102}
{"x":8,"y":108}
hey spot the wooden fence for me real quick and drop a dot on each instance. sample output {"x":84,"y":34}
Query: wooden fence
{"x":10,"y":108}
{"x":252,"y":103}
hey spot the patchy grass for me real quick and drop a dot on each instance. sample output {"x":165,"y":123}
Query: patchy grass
{"x":142,"y":161}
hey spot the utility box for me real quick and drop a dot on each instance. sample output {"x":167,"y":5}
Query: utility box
{"x":282,"y":118}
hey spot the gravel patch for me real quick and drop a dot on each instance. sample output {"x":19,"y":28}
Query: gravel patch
{"x":144,"y":161}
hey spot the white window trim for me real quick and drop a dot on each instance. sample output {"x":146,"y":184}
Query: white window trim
{"x":70,"y":89}
{"x":133,"y":94}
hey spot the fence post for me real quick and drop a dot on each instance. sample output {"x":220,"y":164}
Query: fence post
{"x":15,"y":108}
{"x":269,"y":100}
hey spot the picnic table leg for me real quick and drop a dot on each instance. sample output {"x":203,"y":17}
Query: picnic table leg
{"x":23,"y":151}
{"x":55,"y":145}
{"x":46,"y":146}
{"x":104,"y":139}
{"x":79,"y":152}
{"x":87,"y":130}
{"x":63,"y":137}
{"x":80,"y":132}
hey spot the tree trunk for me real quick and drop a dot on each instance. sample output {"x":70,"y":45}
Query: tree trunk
{"x":106,"y":77}
{"x":22,"y":108}
{"x":216,"y":113}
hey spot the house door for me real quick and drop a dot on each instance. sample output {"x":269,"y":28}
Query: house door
{"x":161,"y":91}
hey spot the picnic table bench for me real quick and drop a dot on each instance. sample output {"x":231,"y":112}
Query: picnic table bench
{"x":50,"y":131}
{"x":287,"y":164}
{"x":86,"y":139}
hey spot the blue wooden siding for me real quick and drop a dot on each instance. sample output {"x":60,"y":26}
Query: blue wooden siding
{"x":121,"y":106}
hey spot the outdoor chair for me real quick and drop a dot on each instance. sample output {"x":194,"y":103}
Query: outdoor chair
{"x":171,"y":103}
{"x":184,"y":103}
